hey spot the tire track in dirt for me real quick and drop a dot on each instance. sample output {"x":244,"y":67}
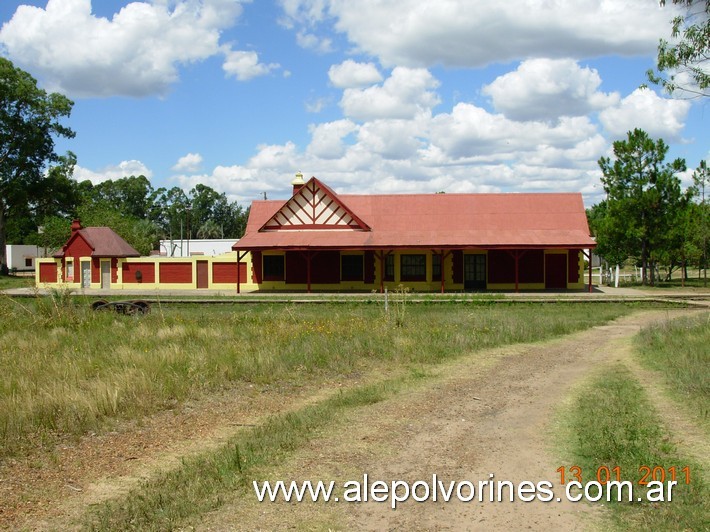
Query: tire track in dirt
{"x":686,"y":435}
{"x":467,"y":423}
{"x":49,"y":491}
{"x":508,"y":436}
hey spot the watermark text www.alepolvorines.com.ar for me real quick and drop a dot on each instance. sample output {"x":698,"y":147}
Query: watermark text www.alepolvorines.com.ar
{"x":437,"y":490}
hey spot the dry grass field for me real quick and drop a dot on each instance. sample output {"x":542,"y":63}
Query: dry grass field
{"x":155,"y":421}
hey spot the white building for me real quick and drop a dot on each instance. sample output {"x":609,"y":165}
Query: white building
{"x":22,"y":257}
{"x":196,"y":246}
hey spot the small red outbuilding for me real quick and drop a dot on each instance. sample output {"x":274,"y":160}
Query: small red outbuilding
{"x":91,"y":255}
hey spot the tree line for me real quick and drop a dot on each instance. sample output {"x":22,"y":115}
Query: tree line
{"x":39,"y":196}
{"x":141,"y":214}
{"x":646,"y":217}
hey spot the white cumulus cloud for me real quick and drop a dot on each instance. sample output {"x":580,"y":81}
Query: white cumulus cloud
{"x":543,"y":89}
{"x":351,"y":74}
{"x":327,"y":138}
{"x":245,"y":65}
{"x":644,"y":109}
{"x":113,"y":172}
{"x":406,"y":93}
{"x":135,"y":53}
{"x":188,"y":163}
{"x":420,"y":33}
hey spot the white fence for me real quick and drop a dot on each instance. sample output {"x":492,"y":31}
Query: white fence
{"x":612,"y":276}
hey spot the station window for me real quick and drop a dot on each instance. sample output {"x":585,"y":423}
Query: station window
{"x":274,"y":267}
{"x":352,"y":267}
{"x":412,"y":267}
{"x":389,"y":267}
{"x":436,"y":267}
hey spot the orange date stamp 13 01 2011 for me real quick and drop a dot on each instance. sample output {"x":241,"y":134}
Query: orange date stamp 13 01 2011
{"x":644,"y":475}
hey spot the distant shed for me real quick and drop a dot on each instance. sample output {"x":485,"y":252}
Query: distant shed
{"x":90,"y":256}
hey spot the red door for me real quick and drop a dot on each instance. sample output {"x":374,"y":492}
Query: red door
{"x":202,"y":274}
{"x":556,"y":271}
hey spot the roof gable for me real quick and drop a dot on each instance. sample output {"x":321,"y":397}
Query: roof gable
{"x":454,"y":221}
{"x":77,"y":243}
{"x":103,"y":241}
{"x":314,"y":206}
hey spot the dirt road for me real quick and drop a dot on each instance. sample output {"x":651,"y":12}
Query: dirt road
{"x":492,"y":412}
{"x":473,"y":420}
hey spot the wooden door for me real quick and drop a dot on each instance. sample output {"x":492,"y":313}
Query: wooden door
{"x":556,"y":271}
{"x":202,"y":274}
{"x":474,"y":272}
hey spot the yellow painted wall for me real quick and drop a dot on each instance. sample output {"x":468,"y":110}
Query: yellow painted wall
{"x":247,"y":285}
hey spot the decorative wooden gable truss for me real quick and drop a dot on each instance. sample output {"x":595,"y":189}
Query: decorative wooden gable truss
{"x":314,"y":206}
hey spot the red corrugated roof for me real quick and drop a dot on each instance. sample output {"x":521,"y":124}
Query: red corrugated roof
{"x":103,"y":241}
{"x":437,"y":221}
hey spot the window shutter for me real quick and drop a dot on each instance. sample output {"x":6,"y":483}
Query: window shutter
{"x":457,"y":266}
{"x":369,"y":267}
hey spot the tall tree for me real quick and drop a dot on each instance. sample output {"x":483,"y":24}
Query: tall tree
{"x":209,"y":229}
{"x":133,"y":196}
{"x":611,"y":237}
{"x":700,"y":184}
{"x":171,"y":206}
{"x":643,"y":197}
{"x":685,"y":62}
{"x":29,"y":123}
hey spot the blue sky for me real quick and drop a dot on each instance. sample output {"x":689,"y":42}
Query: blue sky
{"x":371,"y":96}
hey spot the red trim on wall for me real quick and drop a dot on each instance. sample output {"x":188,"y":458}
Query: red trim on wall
{"x":325,"y":267}
{"x":555,"y":270}
{"x":256,"y":267}
{"x":77,"y":246}
{"x":532,"y":266}
{"x":95,"y":270}
{"x":296,"y":268}
{"x":176,"y":272}
{"x":309,"y":226}
{"x":226,"y":272}
{"x":130,"y":269}
{"x":48,"y":272}
{"x":501,"y":267}
{"x":369,"y":267}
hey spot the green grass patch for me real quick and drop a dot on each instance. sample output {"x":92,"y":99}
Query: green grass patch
{"x":679,"y":351}
{"x":16,"y":281}
{"x":68,"y":370}
{"x":198,"y":485}
{"x":614,"y":425}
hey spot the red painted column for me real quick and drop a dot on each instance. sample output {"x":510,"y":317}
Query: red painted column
{"x":381,"y":256}
{"x":239,"y":273}
{"x":308,"y":270}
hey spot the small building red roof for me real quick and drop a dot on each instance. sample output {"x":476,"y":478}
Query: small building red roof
{"x":510,"y":221}
{"x":103,"y":241}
